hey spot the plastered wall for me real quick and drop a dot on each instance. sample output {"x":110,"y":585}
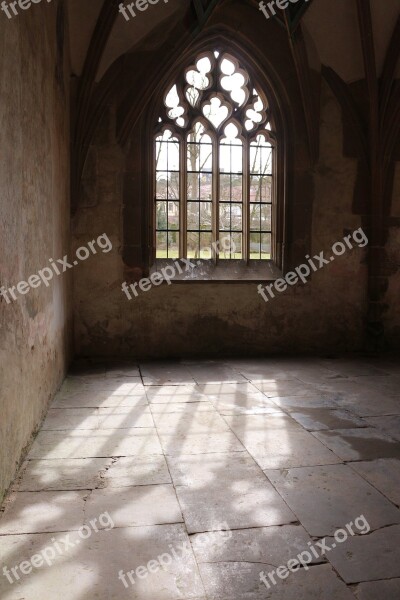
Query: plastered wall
{"x":34,"y":222}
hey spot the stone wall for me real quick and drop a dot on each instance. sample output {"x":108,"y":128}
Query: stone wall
{"x":392,"y":316}
{"x":217,"y":319}
{"x":34,"y":221}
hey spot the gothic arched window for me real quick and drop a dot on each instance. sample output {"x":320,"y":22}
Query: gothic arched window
{"x":214,"y":165}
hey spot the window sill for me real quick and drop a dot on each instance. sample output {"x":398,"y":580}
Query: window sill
{"x":226,"y":271}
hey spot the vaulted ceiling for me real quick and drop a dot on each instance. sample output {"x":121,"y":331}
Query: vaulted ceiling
{"x":331,"y":28}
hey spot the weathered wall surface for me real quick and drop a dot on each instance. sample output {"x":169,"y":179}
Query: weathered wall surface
{"x":34,"y":222}
{"x":392,"y":316}
{"x":216,"y":319}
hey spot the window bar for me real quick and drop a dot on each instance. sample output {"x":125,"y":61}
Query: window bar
{"x":199,"y":201}
{"x":167,"y":202}
{"x":273,"y":206}
{"x":215,"y":196}
{"x":183,"y":197}
{"x":246,"y":202}
{"x":230,"y":198}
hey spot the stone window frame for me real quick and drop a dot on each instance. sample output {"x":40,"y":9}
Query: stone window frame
{"x":138,"y":249}
{"x":179,"y":124}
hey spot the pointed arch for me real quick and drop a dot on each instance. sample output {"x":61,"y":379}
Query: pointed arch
{"x":139,"y":113}
{"x":226,"y":176}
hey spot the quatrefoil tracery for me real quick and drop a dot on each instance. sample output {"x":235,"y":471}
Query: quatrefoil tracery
{"x":216,"y":88}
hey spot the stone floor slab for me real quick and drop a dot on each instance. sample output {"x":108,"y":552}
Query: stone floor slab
{"x":362,"y":400}
{"x":217,"y":488}
{"x":389,"y":425}
{"x":200,"y":443}
{"x":387,"y":365}
{"x":63,"y":474}
{"x":359,"y":444}
{"x":243,"y":404}
{"x":165,"y":373}
{"x":113,"y":386}
{"x":328,"y":498}
{"x":186,"y":424}
{"x":262,"y":423}
{"x":287,"y":387}
{"x":318,"y":419}
{"x":277,"y":442}
{"x":135,"y":506}
{"x":312,"y":401}
{"x":351,"y":367}
{"x":137,"y":470}
{"x":369,"y":557}
{"x":218,"y":389}
{"x":388,"y":590}
{"x":59,"y":419}
{"x":124,"y":417}
{"x":99,"y":443}
{"x":166,"y":394}
{"x":312,"y":374}
{"x":387,"y":383}
{"x":121,"y":370}
{"x":40,"y":512}
{"x":215,"y":374}
{"x":90,"y":570}
{"x":118,"y":417}
{"x":273,"y":546}
{"x":238,"y":504}
{"x":241,"y":581}
{"x":185,"y":408}
{"x":89,"y":399}
{"x":200,"y":470}
{"x":383,"y":474}
{"x":260,"y":369}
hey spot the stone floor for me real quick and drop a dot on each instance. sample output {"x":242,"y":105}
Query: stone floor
{"x":196,"y":476}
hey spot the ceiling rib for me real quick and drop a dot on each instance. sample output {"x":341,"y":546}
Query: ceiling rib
{"x":389,"y":68}
{"x":101,"y":34}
